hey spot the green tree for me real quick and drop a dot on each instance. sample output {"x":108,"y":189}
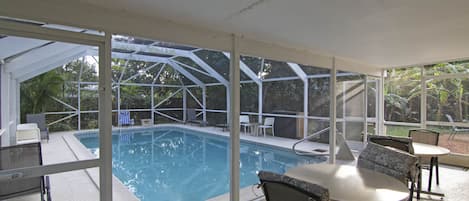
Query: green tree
{"x":36,"y":93}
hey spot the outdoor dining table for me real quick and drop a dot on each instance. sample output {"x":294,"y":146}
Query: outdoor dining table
{"x":351,"y":183}
{"x":432,"y":151}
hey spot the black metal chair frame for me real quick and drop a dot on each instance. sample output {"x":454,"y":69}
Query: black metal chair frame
{"x":433,"y":160}
{"x":44,"y":188}
{"x":265,"y":182}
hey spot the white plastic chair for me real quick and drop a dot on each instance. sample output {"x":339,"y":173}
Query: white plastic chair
{"x":27,"y":133}
{"x":268,"y":123}
{"x":244,"y":122}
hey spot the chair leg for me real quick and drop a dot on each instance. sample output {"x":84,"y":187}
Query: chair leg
{"x":419,"y":182}
{"x":437,"y":172}
{"x":412,"y":187}
{"x":431,"y":174}
{"x":273,"y":134}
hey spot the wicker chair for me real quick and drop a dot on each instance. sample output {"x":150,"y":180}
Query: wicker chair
{"x":390,"y":161}
{"x":401,"y":143}
{"x":427,"y":137}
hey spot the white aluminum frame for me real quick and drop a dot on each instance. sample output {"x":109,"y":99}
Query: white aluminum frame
{"x":105,"y":160}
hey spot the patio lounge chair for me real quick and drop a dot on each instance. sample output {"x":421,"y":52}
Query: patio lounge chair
{"x":268,"y":123}
{"x":427,"y":137}
{"x":277,"y":187}
{"x":124,"y":118}
{"x":392,"y":162}
{"x":40,"y":120}
{"x":19,"y":156}
{"x":455,"y":129}
{"x":192,"y":117}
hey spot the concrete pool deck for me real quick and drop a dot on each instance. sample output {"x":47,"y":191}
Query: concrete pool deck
{"x":83,"y":184}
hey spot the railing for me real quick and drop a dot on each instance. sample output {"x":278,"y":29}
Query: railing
{"x":302,"y":153}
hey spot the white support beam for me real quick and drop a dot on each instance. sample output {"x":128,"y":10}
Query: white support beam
{"x":64,"y":103}
{"x":246,"y":70}
{"x":192,"y":68}
{"x":15,"y":45}
{"x":207,"y":68}
{"x":183,"y":71}
{"x":152,"y":103}
{"x":5,"y":105}
{"x":49,"y":63}
{"x":184,"y":104}
{"x":194,"y":97}
{"x":380,"y":88}
{"x":234,"y":120}
{"x":332,"y":114}
{"x":260,"y":102}
{"x":158,"y":74}
{"x":423,"y":98}
{"x":298,"y":71}
{"x":365,"y":110}
{"x":167,"y":98}
{"x":105,"y":120}
{"x":204,"y":104}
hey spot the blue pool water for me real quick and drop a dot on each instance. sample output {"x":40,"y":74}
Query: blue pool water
{"x":171,"y":164}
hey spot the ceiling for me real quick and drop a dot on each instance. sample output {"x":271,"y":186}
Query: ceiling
{"x":376,"y":32}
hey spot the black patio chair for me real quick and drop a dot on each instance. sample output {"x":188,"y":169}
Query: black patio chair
{"x":20,"y":156}
{"x":277,"y":187}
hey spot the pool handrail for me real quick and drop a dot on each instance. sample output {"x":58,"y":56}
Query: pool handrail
{"x":303,"y":153}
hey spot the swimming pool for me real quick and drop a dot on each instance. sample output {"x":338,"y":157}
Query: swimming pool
{"x":171,"y":163}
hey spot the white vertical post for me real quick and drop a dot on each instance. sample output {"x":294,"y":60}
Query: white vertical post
{"x":332,"y":113}
{"x":365,"y":109}
{"x":234,"y":119}
{"x":305,"y":108}
{"x":12,"y":109}
{"x":152,"y":104}
{"x":105,"y":115}
{"x":5,"y":105}
{"x":79,"y":94}
{"x":18,"y":102}
{"x":376,"y":119}
{"x":344,"y":109}
{"x":204,"y":104}
{"x":228,"y":105}
{"x":118,"y":102}
{"x":423,"y":99}
{"x":260,"y":102}
{"x":184,"y":103}
{"x":381,"y":105}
